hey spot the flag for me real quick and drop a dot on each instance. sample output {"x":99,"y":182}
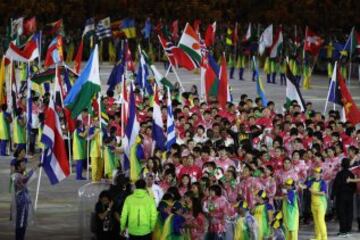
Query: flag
{"x":334,"y":94}
{"x":177,"y":57}
{"x":78,"y":57}
{"x":116,"y":75}
{"x":292,"y":90}
{"x":223,"y":91}
{"x":28,"y":53}
{"x":248,"y":35}
{"x":351,"y":43}
{"x":146,"y":31}
{"x":103,"y":28}
{"x":14,"y":91}
{"x":55,"y":161}
{"x":54,"y":54}
{"x":2,"y":82}
{"x":313,"y":42}
{"x":190,"y":43}
{"x":131,"y":130}
{"x":158,"y":125}
{"x":196,"y":25}
{"x":277,"y":44}
{"x":209,"y":80}
{"x":30,"y":26}
{"x":85,"y":87}
{"x":56,"y":27}
{"x":170,"y":124}
{"x":89,"y":28}
{"x":259,"y":86}
{"x":124,"y":107}
{"x":115,"y":29}
{"x":175,"y":30}
{"x":266,"y":39}
{"x":159,"y":78}
{"x":143,"y":71}
{"x":128,"y":27}
{"x":352,"y":112}
{"x":210,"y":35}
{"x":130,"y":65}
{"x":104,"y":117}
{"x":17,"y":27}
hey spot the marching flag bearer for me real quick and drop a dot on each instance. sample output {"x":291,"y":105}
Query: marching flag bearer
{"x":79,"y":148}
{"x":317,"y":187}
{"x":290,"y":210}
{"x":97,"y":165}
{"x":5,"y":120}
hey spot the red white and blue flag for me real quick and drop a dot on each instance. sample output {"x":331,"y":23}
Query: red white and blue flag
{"x":54,"y":54}
{"x":55,"y":161}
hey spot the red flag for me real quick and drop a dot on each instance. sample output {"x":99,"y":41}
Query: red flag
{"x":54,"y":27}
{"x":175,"y":30}
{"x":210,"y":35}
{"x":313,"y":42}
{"x":129,"y":60}
{"x":197,"y":25}
{"x":208,"y":78}
{"x":54,"y":54}
{"x":352,"y":112}
{"x":223,"y":84}
{"x":78,"y":57}
{"x":30,"y":26}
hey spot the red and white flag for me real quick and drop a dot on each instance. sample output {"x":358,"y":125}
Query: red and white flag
{"x":312,"y":42}
{"x":28,"y":53}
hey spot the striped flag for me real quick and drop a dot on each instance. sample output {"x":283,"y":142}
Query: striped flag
{"x":292,"y":90}
{"x":55,"y":161}
{"x":103,"y":28}
{"x":131,"y":130}
{"x":259,"y":86}
{"x":170,"y":126}
{"x":158,"y":125}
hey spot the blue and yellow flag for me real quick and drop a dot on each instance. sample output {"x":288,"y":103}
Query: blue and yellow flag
{"x":128,"y":27}
{"x":259,"y":86}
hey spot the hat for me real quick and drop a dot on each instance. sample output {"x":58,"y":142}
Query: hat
{"x":262,"y":194}
{"x":317,"y":170}
{"x":289,"y":181}
{"x":242,"y":204}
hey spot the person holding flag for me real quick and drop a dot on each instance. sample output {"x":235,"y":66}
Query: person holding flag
{"x":97,"y":165}
{"x":5,"y":120}
{"x":79,"y":148}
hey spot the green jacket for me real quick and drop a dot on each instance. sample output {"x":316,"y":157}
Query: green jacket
{"x":139,"y":213}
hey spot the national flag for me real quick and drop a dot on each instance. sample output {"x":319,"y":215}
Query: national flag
{"x":292,"y":90}
{"x":14,"y":91}
{"x":209,"y":80}
{"x":313,"y":42}
{"x":103,"y":28}
{"x":266,"y":39}
{"x":78,"y":57}
{"x":277,"y":45}
{"x":104,"y":117}
{"x":352,"y":112}
{"x":146,"y":31}
{"x":170,"y":123}
{"x":28,"y":53}
{"x":115,"y":29}
{"x":196,"y":25}
{"x":223,"y":91}
{"x":131,"y":130}
{"x":85,"y":87}
{"x":116,"y":75}
{"x":190,"y":43}
{"x":17,"y":27}
{"x":67,"y":78}
{"x":89,"y":28}
{"x":56,"y":27}
{"x":352,"y":43}
{"x":157,"y":124}
{"x":130,"y":65}
{"x":259,"y":85}
{"x":334,"y":94}
{"x":54,"y":54}
{"x":143,"y":71}
{"x":2,"y":82}
{"x":48,"y":75}
{"x":177,"y":57}
{"x":30,"y":26}
{"x":175,"y":30}
{"x":159,"y":78}
{"x":55,"y":161}
{"x":128,"y":27}
{"x":210,"y":35}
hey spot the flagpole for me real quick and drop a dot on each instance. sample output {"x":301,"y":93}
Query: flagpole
{"x":28,"y":83}
{"x":38,"y":183}
{"x":67,"y":125}
{"x":99,"y":103}
{"x":88,"y":150}
{"x":40,"y":48}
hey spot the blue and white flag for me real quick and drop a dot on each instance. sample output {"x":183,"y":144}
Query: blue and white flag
{"x":170,"y":126}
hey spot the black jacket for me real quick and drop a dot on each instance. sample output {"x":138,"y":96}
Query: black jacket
{"x":341,"y":188}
